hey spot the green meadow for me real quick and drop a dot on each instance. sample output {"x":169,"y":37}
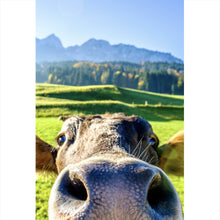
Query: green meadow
{"x":164,"y":112}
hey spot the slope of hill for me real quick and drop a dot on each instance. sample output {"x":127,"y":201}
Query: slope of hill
{"x":51,"y":49}
{"x":56,"y":100}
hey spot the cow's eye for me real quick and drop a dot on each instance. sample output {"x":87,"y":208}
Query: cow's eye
{"x":151,"y":141}
{"x":61,"y":139}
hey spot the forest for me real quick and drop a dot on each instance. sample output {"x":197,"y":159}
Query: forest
{"x":160,"y":77}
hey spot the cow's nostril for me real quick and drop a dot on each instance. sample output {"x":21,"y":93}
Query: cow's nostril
{"x":161,"y":195}
{"x":72,"y":187}
{"x":76,"y":189}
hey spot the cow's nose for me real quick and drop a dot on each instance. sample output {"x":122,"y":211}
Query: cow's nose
{"x":123,"y":189}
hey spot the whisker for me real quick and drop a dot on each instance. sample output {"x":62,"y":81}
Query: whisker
{"x":134,"y":151}
{"x":147,"y":158}
{"x":151,"y":160}
{"x":136,"y":148}
{"x":145,"y":151}
{"x":139,"y":152}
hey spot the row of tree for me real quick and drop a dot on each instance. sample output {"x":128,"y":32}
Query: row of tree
{"x":158,"y":77}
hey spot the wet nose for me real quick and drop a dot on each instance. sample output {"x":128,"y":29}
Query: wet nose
{"x":104,"y":189}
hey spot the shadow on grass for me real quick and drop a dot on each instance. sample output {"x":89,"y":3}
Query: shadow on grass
{"x":153,"y":113}
{"x":113,"y":93}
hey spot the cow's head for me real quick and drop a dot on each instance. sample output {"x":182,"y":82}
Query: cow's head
{"x":107,"y":167}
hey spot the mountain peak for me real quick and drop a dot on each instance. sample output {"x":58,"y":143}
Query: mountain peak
{"x":95,"y":42}
{"x":51,"y":41}
{"x":52,"y":36}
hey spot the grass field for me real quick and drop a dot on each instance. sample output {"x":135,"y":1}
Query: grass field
{"x":164,"y":112}
{"x":107,"y":92}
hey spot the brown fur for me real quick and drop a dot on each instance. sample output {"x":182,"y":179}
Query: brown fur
{"x":172,"y":155}
{"x":45,"y":156}
{"x":108,"y":130}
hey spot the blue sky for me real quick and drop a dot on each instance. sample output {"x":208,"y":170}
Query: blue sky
{"x":151,"y":24}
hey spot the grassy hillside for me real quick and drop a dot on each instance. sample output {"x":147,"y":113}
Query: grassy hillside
{"x":55,"y":100}
{"x":109,"y":92}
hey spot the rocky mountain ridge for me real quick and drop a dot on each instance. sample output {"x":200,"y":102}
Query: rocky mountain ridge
{"x":51,"y":49}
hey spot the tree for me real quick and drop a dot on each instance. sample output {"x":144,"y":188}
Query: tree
{"x":104,"y":77}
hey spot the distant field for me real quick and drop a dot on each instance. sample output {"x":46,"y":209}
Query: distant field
{"x":56,"y":100}
{"x":107,"y":92}
{"x":52,"y":101}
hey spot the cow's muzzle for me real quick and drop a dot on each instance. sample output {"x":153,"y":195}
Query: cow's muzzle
{"x":102,"y":189}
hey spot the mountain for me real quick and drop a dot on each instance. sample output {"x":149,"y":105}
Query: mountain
{"x":51,"y":49}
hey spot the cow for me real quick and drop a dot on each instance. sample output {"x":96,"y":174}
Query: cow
{"x":45,"y":156}
{"x":107,"y":168}
{"x":172,"y":155}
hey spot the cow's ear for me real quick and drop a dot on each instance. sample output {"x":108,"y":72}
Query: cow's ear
{"x":171,"y":155}
{"x":63,"y":118}
{"x":45,"y":156}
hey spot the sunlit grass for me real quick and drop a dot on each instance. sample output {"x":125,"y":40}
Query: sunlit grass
{"x":106,"y":92}
{"x":44,"y":183}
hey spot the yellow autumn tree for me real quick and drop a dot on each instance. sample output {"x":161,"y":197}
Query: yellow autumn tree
{"x":104,"y":77}
{"x":50,"y":78}
{"x":141,"y":84}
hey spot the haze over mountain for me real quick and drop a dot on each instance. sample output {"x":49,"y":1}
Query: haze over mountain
{"x":51,"y":49}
